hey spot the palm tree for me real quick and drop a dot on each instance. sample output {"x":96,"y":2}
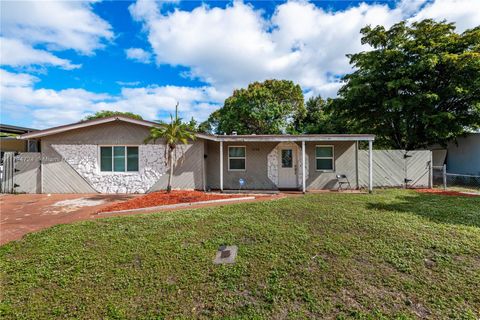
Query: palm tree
{"x":174,"y":133}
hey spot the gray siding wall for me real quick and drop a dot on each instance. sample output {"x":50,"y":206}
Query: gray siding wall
{"x":464,"y":158}
{"x":60,"y":177}
{"x":188,"y":172}
{"x":345,"y":163}
{"x":256,"y":173}
{"x":256,"y":166}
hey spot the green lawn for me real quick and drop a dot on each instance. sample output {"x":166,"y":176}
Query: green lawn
{"x":393,"y":254}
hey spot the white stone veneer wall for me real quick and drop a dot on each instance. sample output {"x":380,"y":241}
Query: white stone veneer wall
{"x":85,"y":160}
{"x":273,"y":160}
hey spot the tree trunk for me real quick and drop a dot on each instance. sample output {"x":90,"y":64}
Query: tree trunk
{"x":170,"y":173}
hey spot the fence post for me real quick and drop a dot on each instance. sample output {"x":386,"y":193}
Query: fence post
{"x":444,"y":171}
{"x":430,"y":171}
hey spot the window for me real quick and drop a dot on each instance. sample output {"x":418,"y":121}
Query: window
{"x":324,"y":158}
{"x":287,"y":158}
{"x":119,"y":159}
{"x":236,"y":158}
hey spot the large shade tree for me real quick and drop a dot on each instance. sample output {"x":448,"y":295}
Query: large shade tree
{"x":418,"y":86}
{"x":173,"y":133}
{"x":267,"y":107}
{"x":320,"y":118}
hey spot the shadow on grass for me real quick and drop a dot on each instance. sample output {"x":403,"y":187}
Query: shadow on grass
{"x":437,"y":208}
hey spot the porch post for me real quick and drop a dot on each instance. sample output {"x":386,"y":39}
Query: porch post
{"x":303,"y":166}
{"x":221,"y":165}
{"x":370,"y":166}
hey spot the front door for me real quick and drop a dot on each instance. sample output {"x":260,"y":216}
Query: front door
{"x":287,"y":171}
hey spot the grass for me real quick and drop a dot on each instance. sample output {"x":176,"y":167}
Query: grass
{"x":393,"y":254}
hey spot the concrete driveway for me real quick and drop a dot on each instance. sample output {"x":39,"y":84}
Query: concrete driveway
{"x":24,"y":213}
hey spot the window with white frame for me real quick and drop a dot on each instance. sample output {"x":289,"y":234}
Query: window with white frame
{"x":237,"y":157}
{"x":118,"y":159}
{"x":324,"y":158}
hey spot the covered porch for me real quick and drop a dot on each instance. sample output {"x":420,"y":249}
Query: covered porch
{"x":285,"y":162}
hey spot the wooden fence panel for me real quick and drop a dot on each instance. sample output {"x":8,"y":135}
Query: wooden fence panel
{"x":27,"y":175}
{"x":7,"y":172}
{"x":391,"y":168}
{"x":419,"y":168}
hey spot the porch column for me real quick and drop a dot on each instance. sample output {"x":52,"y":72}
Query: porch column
{"x":221,"y":165}
{"x":303,"y":167}
{"x":370,"y":166}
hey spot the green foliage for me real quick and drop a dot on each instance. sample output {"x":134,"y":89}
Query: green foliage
{"x":108,"y":113}
{"x":320,"y":118}
{"x":268,"y":107}
{"x":420,"y":85}
{"x":174,"y":133}
{"x":319,"y":256}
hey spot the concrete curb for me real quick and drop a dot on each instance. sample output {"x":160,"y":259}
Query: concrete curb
{"x":177,"y":205}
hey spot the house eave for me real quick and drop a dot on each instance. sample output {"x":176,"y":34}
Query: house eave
{"x":218,"y":138}
{"x":293,"y":138}
{"x":84,"y":124}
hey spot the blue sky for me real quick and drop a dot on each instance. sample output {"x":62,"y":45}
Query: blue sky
{"x":61,"y":61}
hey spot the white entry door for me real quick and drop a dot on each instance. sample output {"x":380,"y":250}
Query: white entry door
{"x":287,"y":170}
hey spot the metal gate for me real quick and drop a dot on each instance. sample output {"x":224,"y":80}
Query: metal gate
{"x":397,"y":168}
{"x":21,"y":172}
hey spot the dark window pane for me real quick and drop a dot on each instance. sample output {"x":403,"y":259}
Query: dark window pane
{"x":105,"y":158}
{"x":287,"y":161}
{"x":324,"y":164}
{"x":132,"y":158}
{"x":236,"y":152}
{"x":324,"y":152}
{"x":119,"y":159}
{"x":237,"y":164}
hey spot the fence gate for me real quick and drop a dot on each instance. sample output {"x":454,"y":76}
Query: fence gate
{"x":396,"y":168}
{"x":21,"y":172}
{"x":418,"y":169}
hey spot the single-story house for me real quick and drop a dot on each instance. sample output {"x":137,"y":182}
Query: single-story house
{"x":109,"y":156}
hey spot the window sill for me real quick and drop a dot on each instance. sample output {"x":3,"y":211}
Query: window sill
{"x":125,"y":173}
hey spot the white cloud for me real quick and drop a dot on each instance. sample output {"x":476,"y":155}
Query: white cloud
{"x":52,"y":26}
{"x":59,"y":24}
{"x":15,"y":53}
{"x":230,"y":47}
{"x":138,"y":55}
{"x":50,"y":107}
{"x":466,"y":13}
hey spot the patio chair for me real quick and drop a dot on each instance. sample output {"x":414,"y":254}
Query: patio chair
{"x":343,"y":182}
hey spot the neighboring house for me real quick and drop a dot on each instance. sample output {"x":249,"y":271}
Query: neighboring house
{"x":9,"y":142}
{"x":109,"y":156}
{"x":461,"y":157}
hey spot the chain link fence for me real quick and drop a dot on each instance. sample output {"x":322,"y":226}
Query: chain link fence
{"x":441,"y":178}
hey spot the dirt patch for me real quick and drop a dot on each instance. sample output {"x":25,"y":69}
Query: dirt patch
{"x":161,"y":198}
{"x":447,"y":193}
{"x":70,"y":205}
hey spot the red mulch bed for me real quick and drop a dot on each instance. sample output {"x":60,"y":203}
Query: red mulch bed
{"x":161,"y":198}
{"x":446,"y":193}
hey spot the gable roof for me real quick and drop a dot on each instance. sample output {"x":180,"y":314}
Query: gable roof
{"x":88,"y":123}
{"x":226,"y":138}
